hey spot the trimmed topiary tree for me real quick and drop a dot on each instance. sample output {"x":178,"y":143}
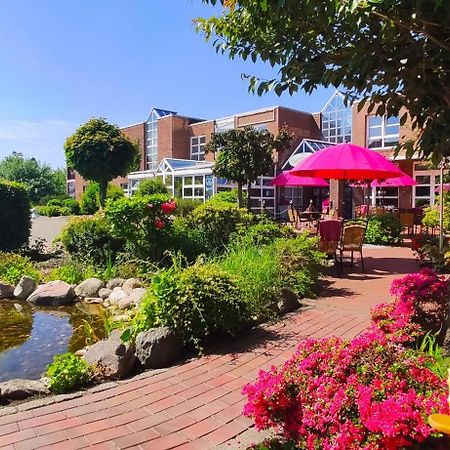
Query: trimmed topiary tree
{"x":100,"y":152}
{"x":15,"y":220}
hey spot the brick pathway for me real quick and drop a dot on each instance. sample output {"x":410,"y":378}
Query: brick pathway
{"x":198,"y":405}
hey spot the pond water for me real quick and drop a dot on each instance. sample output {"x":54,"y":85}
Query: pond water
{"x":30,"y":336}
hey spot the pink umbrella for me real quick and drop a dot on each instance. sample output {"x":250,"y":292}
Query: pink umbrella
{"x":286,"y":179}
{"x":404,"y":180}
{"x":445,"y":188}
{"x":347,"y":162}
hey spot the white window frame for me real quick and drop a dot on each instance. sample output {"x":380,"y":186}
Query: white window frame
{"x":198,"y":148}
{"x":382,"y":136}
{"x":432,"y":173}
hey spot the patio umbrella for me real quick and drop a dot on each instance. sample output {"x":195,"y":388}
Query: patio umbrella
{"x":404,"y":180}
{"x":347,"y":162}
{"x":445,"y":188}
{"x":286,"y":179}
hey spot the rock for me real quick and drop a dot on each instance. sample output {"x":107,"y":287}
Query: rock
{"x":106,"y":303}
{"x":115,"y":282}
{"x":81,"y":352}
{"x":104,"y":293}
{"x":288,"y":302}
{"x":120,"y":318}
{"x":157,"y":348}
{"x":55,"y":293}
{"x":94,"y":300}
{"x":25,"y":288}
{"x":18,"y":307}
{"x":6,"y":290}
{"x":115,"y":357}
{"x":89,"y":287}
{"x":133,"y":299}
{"x":116,"y":296}
{"x":130,"y":284}
{"x":20,"y":389}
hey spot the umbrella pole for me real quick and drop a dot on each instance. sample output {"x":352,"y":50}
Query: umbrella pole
{"x":441,"y":205}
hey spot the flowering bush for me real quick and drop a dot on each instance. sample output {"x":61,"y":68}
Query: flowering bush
{"x":425,"y":295}
{"x":369,"y":393}
{"x":143,"y":223}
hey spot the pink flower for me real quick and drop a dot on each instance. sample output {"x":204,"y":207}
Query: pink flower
{"x":159,"y":224}
{"x":168,"y":207}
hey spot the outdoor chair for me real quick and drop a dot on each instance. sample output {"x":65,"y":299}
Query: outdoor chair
{"x":292,"y":215}
{"x":407,"y":222}
{"x":352,"y":241}
{"x":329,"y":232}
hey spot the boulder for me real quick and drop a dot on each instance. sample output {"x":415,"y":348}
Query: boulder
{"x":94,"y":300}
{"x":55,"y":293}
{"x":114,"y":356}
{"x":104,"y":293}
{"x":132,"y":299}
{"x":116,"y":296}
{"x":115,"y":282}
{"x":25,"y":288}
{"x":89,"y":287}
{"x":6,"y":290}
{"x":157,"y":348}
{"x":20,"y":389}
{"x":288,"y":302}
{"x":130,"y":284}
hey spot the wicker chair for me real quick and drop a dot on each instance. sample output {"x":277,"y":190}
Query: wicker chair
{"x":352,"y":241}
{"x":407,"y":222}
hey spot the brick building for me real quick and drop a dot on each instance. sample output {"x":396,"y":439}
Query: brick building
{"x":173,"y":148}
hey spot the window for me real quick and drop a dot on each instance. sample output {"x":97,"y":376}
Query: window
{"x":151,"y":137}
{"x":337,"y":120}
{"x":383,"y":131}
{"x":424,"y":193}
{"x":386,"y":196}
{"x":198,"y":148}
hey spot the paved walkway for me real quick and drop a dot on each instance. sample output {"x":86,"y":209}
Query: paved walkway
{"x":198,"y":405}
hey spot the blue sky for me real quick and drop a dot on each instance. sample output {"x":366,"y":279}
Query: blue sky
{"x":63,"y":62}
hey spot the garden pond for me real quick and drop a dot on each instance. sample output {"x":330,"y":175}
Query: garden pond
{"x":30,"y":336}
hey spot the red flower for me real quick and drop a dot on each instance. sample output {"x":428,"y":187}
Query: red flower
{"x":168,"y":207}
{"x":159,"y":224}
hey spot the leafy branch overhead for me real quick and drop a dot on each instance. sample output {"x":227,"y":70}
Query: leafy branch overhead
{"x":392,"y":54}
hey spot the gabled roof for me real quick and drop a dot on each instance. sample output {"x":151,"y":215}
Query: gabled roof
{"x":305,"y":148}
{"x":174,"y":164}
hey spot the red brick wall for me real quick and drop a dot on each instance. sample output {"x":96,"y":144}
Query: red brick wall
{"x":202,"y":129}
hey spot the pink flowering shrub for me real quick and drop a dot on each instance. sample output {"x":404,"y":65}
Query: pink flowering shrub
{"x":424,"y":296}
{"x":369,"y":393}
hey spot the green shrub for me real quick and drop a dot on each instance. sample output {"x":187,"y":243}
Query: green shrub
{"x":72,"y":273}
{"x":217,"y":222}
{"x":152,"y":186}
{"x":185,"y":206}
{"x":300,"y":263}
{"x":384,"y":229}
{"x":225,"y":196}
{"x":195,"y":303}
{"x":261,"y":233}
{"x":53,"y":210}
{"x":89,"y":239}
{"x":141,"y":223}
{"x":15,"y":220}
{"x":73,"y":205}
{"x":90,"y":200}
{"x":55,"y":202}
{"x":186,"y":239}
{"x":67,"y":372}
{"x":431,"y":218}
{"x":14,"y":266}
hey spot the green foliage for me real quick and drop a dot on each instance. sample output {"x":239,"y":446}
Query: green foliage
{"x":186,"y":239}
{"x":39,"y":179}
{"x":152,"y":186}
{"x":217,"y":221}
{"x":90,"y":200}
{"x":90,"y":240}
{"x":73,"y":273}
{"x":186,"y":205}
{"x":67,"y":372}
{"x":384,"y":229}
{"x":242,"y":155}
{"x":15,"y":221}
{"x":438,"y":362}
{"x":195,"y":303}
{"x":431,"y":217}
{"x":14,"y":266}
{"x":230,"y":196}
{"x":100,"y":152}
{"x":133,"y":220}
{"x":73,"y":205}
{"x":345,"y":46}
{"x":53,"y":210}
{"x":261,"y":233}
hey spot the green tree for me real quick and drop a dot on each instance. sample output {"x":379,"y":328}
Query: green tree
{"x":90,"y":200}
{"x":100,"y":152}
{"x":392,"y":54}
{"x":152,"y":186}
{"x":39,"y":179}
{"x":242,"y":155}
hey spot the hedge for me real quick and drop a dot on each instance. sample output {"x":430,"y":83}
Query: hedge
{"x":15,"y":220}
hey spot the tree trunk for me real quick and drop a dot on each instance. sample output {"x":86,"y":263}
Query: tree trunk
{"x":239,"y":194}
{"x":102,"y":193}
{"x":249,"y":194}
